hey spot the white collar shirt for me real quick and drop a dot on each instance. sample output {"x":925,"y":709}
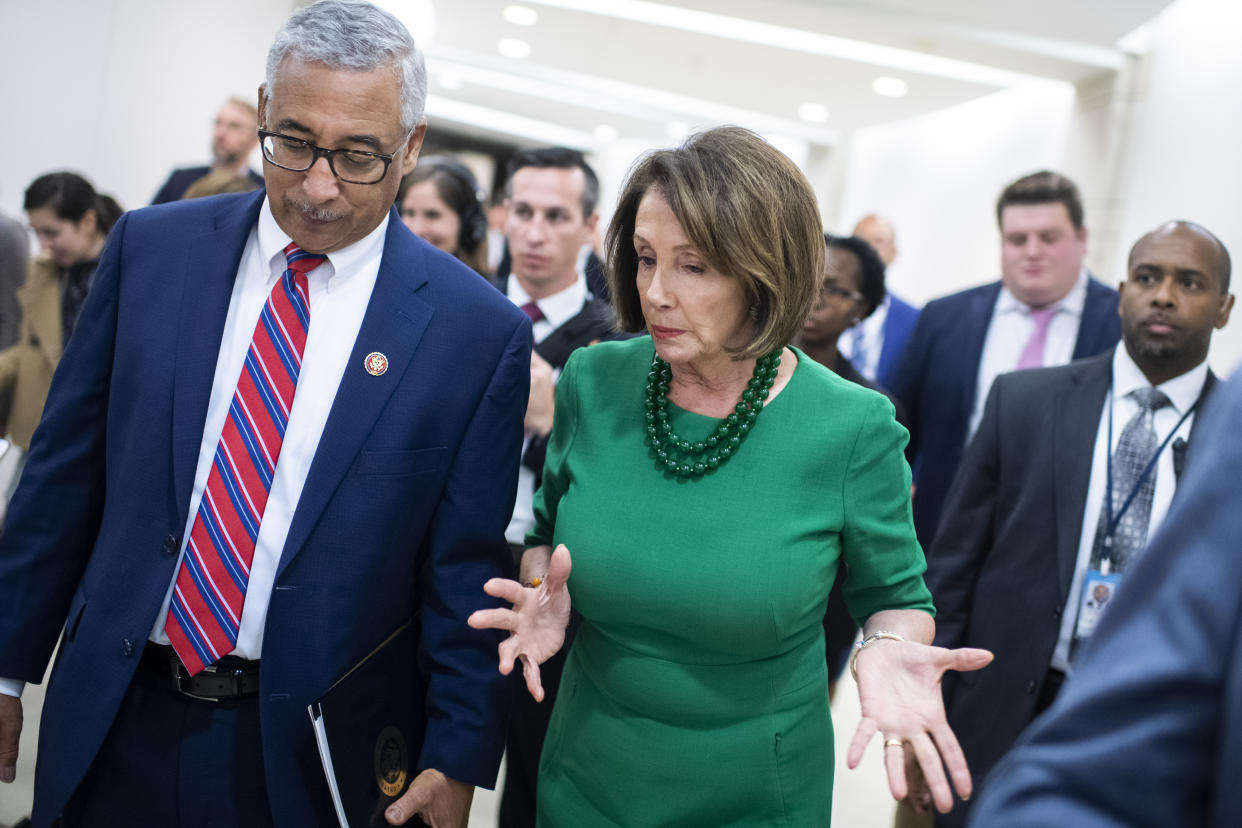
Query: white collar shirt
{"x":557,"y":309}
{"x":863,"y":343}
{"x":1008,"y":331}
{"x":340,"y":291}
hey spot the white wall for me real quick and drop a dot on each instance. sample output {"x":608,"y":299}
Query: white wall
{"x":1184,"y":156}
{"x":937,"y":178}
{"x":1158,"y":141}
{"x":122,"y":90}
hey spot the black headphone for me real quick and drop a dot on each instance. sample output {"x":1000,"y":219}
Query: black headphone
{"x":473,"y":221}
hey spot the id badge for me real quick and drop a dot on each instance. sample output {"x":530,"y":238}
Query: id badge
{"x":1097,"y":590}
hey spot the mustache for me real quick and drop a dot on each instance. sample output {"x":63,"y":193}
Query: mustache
{"x":315,"y":212}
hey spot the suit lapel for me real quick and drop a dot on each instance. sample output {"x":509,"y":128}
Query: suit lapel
{"x":1076,"y":420}
{"x":1100,"y":326}
{"x":393,"y":325}
{"x":206,"y":274}
{"x":974,"y":332}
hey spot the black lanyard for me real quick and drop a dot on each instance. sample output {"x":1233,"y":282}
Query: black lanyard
{"x":1111,"y":520}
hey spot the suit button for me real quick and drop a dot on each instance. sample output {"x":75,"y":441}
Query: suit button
{"x":127,"y":646}
{"x":170,"y":545}
{"x":1057,"y":614}
{"x":1030,"y":687}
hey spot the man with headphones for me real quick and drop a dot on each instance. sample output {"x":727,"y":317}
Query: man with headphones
{"x":551,"y":202}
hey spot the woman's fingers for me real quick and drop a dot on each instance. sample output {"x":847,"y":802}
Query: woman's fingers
{"x":862,"y":735}
{"x":559,"y":567}
{"x":933,"y":771}
{"x":954,"y":759}
{"x":493,"y":619}
{"x":504,"y":589}
{"x":895,"y":764}
{"x":966,"y":659}
{"x":534,"y":682}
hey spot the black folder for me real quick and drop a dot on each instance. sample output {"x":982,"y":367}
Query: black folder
{"x":368,"y":730}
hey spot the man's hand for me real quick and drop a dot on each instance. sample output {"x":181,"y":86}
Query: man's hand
{"x":542,"y":400}
{"x":435,"y":799}
{"x":10,"y":732}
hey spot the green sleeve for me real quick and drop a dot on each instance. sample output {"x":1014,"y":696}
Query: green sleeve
{"x":555,"y":471}
{"x":878,"y":542}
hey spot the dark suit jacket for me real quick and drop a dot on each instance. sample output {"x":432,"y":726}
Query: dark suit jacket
{"x":898,"y":326}
{"x":1001,"y":566}
{"x":1147,"y":733}
{"x":593,"y":323}
{"x":402,"y":514}
{"x":180,"y":180}
{"x":938,"y":373}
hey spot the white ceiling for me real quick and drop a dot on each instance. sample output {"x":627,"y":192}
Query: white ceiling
{"x":645,"y":69}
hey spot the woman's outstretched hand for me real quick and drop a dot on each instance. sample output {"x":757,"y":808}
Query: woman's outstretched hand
{"x":536,"y":620}
{"x":899,"y":690}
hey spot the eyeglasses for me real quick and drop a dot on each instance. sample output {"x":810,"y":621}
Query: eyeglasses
{"x":833,"y":291}
{"x":350,"y":166}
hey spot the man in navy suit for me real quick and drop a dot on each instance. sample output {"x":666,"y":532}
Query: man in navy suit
{"x":1027,"y":560}
{"x":875,"y":344}
{"x":1045,"y":310}
{"x":388,"y":498}
{"x":232,"y":141}
{"x":1148,"y":730}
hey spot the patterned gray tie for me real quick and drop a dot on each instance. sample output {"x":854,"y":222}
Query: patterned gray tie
{"x":1134,"y":451}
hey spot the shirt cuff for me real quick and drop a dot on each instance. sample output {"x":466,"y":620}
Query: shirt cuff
{"x":12,"y":687}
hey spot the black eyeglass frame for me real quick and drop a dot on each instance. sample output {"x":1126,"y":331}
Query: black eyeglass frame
{"x":318,"y":152}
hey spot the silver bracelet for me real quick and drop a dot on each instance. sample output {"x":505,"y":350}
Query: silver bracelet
{"x":858,"y":648}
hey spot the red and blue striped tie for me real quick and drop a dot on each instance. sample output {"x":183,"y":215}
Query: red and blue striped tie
{"x":206,"y":608}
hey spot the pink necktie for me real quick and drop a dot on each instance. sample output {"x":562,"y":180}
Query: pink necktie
{"x":205,"y":613}
{"x":1033,"y":353}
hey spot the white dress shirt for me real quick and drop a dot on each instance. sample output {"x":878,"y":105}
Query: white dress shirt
{"x":557,"y":309}
{"x":1010,"y":328}
{"x":867,"y":336}
{"x":340,"y":290}
{"x":1182,"y":392}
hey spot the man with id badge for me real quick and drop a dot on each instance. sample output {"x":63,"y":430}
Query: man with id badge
{"x":1071,"y":469}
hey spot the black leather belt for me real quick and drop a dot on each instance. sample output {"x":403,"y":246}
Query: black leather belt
{"x":229,"y":678}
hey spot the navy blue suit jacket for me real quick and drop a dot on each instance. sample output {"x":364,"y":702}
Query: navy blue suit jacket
{"x":1148,"y":730}
{"x":939,"y":370}
{"x":898,"y":326}
{"x":402,"y":514}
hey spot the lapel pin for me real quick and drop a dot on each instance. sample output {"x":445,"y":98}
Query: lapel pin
{"x":375,"y":363}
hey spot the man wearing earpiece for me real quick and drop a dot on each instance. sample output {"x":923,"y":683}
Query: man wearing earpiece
{"x":1072,"y":468}
{"x":551,"y":202}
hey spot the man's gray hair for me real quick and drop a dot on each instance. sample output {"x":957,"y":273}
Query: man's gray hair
{"x":353,"y":35}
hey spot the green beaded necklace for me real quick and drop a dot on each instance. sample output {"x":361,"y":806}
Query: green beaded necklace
{"x":691,"y":459}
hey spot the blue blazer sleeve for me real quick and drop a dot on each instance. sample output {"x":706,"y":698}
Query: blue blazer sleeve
{"x":43,"y":551}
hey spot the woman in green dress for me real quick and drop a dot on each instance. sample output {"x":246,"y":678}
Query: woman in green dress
{"x":709,"y":480}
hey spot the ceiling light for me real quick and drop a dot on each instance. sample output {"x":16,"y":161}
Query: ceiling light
{"x":890,"y":87}
{"x":513,"y":48}
{"x":788,"y":38}
{"x":813,"y":113}
{"x":605,"y":133}
{"x":520,"y":15}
